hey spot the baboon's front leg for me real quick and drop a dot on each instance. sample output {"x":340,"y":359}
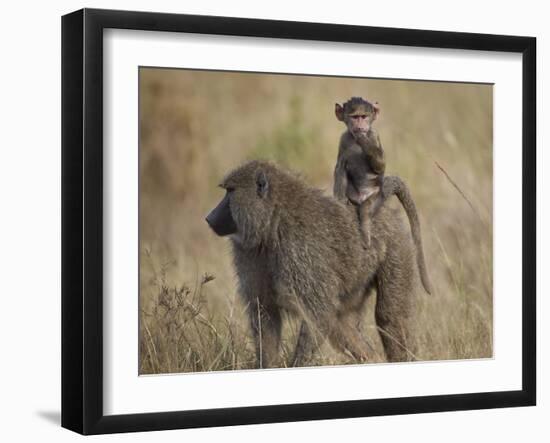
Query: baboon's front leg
{"x":266,"y":325}
{"x":346,"y":337}
{"x":306,"y":346}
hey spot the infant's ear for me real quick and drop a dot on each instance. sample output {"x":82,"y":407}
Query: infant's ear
{"x":376,"y":107}
{"x":339,"y":112}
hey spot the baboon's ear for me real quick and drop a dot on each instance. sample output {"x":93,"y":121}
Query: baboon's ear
{"x":262,"y":184}
{"x":339,"y":112}
{"x":376,"y":107}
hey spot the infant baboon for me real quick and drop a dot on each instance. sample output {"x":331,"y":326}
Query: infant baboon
{"x":359,"y":174}
{"x":301,"y":252}
{"x":360,"y":167}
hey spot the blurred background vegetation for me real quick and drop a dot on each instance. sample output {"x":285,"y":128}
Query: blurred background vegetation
{"x":195,"y":126}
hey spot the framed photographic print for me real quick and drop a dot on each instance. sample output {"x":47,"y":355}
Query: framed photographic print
{"x":269,"y":221}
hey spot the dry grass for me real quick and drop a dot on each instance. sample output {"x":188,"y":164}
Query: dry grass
{"x":195,"y":126}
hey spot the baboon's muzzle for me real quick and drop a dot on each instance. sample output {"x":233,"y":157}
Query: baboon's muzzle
{"x":220,"y":218}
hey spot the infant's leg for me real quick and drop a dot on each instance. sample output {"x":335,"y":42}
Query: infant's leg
{"x":364,"y":222}
{"x":380,"y":198}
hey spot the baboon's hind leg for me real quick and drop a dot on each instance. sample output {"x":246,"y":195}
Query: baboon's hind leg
{"x":393,"y":314}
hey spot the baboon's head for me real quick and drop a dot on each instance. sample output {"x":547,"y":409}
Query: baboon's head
{"x":358,"y":114}
{"x":245,"y":210}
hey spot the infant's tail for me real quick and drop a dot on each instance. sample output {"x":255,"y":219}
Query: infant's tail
{"x":394,"y":185}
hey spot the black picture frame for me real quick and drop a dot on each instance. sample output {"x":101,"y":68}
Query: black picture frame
{"x":82,"y":220}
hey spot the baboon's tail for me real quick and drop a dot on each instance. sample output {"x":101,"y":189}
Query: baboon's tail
{"x":394,"y":185}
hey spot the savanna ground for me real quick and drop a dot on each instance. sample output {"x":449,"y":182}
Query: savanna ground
{"x":195,"y":126}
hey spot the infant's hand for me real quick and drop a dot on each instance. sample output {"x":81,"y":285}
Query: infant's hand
{"x":361,"y":137}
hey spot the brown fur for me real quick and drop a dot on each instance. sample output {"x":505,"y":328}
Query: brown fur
{"x":299,"y":251}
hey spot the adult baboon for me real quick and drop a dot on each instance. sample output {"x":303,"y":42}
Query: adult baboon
{"x":300,"y":251}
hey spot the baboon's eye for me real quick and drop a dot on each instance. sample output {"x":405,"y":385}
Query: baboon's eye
{"x":226,"y":187}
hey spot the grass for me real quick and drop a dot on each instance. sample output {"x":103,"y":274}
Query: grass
{"x":195,"y":126}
